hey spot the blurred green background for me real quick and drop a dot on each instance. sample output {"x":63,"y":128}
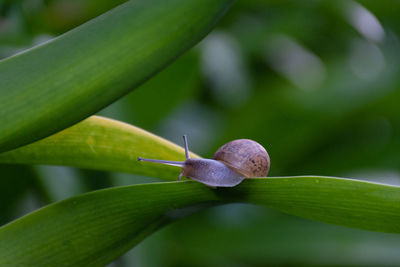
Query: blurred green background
{"x":316,"y":82}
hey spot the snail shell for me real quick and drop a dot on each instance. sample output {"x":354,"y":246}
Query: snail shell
{"x":245,"y":156}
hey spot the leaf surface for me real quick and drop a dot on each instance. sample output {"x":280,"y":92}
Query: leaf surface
{"x":52,"y":86}
{"x":102,"y":144}
{"x":96,"y":228}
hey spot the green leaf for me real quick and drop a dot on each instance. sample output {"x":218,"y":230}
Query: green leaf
{"x":348,"y":202}
{"x":102,"y":144}
{"x":54,"y":85}
{"x":96,"y":228}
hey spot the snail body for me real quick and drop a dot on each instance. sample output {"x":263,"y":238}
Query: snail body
{"x":211,"y":172}
{"x":231,"y":164}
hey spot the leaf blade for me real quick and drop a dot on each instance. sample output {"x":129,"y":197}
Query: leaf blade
{"x":102,"y":144}
{"x":111,"y":221}
{"x":77,"y":232}
{"x":57,"y":84}
{"x":341,"y":201}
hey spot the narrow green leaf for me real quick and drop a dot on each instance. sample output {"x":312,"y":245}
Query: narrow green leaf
{"x":102,"y":144}
{"x":52,"y":86}
{"x":347,"y":202}
{"x":95,"y":228}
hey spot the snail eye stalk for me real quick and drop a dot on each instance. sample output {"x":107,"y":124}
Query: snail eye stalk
{"x":166,"y":162}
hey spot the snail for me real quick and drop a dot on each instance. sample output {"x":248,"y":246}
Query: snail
{"x":233,"y":162}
